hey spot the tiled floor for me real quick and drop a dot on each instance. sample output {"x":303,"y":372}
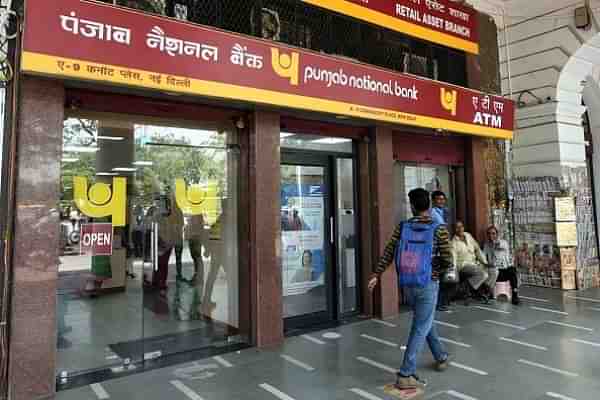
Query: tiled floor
{"x":547,"y":348}
{"x":92,"y":327}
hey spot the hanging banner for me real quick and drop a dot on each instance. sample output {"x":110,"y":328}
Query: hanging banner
{"x":443,"y":22}
{"x":91,"y":41}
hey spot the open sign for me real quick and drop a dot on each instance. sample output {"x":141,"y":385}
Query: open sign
{"x":96,"y":239}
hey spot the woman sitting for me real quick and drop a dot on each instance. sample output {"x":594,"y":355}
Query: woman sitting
{"x":470,"y":262}
{"x":497,"y":252}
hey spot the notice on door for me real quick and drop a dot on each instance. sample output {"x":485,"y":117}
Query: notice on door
{"x":302,"y":237}
{"x":96,"y":239}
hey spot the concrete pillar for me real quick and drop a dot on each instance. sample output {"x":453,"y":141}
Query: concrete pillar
{"x":476,"y":188}
{"x":548,"y":138}
{"x":386,"y":301}
{"x":116,"y":147}
{"x":36,"y":240}
{"x":366,"y":226}
{"x":265,"y":253}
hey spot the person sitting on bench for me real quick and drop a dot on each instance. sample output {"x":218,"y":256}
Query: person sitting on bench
{"x":470,"y":262}
{"x":500,"y":269}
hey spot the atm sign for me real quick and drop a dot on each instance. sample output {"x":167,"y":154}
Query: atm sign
{"x":96,"y":239}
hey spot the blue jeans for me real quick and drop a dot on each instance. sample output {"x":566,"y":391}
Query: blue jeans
{"x":423,"y":302}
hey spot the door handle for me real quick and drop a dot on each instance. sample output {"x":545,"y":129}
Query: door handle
{"x":155,"y":245}
{"x":331,"y":231}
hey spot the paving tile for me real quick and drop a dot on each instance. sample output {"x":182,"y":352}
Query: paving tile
{"x":513,"y":369}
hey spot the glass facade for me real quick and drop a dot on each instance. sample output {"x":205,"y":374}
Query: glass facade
{"x":149,"y":240}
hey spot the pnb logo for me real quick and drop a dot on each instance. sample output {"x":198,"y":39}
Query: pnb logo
{"x":286,"y":65}
{"x":449,"y":100}
{"x":101,"y":200}
{"x":196,"y":200}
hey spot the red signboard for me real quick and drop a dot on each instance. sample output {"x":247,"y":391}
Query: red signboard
{"x":86,"y":40}
{"x":440,"y":21}
{"x":96,"y":239}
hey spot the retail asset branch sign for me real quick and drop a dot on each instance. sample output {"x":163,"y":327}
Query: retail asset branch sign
{"x":443,"y":22}
{"x":84,"y":40}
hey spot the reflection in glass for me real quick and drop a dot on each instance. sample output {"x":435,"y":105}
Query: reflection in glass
{"x":303,"y":199}
{"x":346,"y":230}
{"x":171,"y":282}
{"x":430,"y":177}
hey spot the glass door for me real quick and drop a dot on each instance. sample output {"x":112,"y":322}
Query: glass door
{"x":429,"y":177}
{"x":187,"y":203}
{"x":307,"y":237}
{"x":347,"y":247}
{"x":149,"y":241}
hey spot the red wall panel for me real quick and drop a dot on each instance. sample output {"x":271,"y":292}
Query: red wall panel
{"x":429,"y":149}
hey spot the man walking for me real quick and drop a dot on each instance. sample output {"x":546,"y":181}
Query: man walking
{"x":422,"y":252}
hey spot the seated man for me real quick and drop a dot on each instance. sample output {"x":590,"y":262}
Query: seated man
{"x":500,"y":269}
{"x":470,"y":262}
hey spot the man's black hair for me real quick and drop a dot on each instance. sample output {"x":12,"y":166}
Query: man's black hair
{"x":437,"y":193}
{"x":419,"y":199}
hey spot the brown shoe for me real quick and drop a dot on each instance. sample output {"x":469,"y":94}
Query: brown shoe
{"x":441,"y":366}
{"x":409,"y":382}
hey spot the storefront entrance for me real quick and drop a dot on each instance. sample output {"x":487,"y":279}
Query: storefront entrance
{"x":409,"y":176}
{"x":149,"y":256}
{"x":318,"y":230}
{"x":434,"y":163}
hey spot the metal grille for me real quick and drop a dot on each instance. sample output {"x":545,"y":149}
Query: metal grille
{"x":298,"y":24}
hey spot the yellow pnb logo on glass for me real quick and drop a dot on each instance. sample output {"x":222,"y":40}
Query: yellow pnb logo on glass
{"x":101,"y":200}
{"x":197,"y":199}
{"x":286,"y":65}
{"x":449,"y":99}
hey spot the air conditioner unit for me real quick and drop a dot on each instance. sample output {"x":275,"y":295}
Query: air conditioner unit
{"x":417,"y":65}
{"x":153,"y":6}
{"x":271,"y":24}
{"x":181,"y":12}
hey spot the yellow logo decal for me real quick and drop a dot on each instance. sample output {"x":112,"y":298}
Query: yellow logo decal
{"x":286,"y":65}
{"x":102,"y":201}
{"x":449,"y":99}
{"x":196,"y":200}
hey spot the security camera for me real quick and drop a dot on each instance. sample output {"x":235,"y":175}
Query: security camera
{"x":240,"y":124}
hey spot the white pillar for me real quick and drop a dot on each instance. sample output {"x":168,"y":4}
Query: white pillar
{"x":548,"y":138}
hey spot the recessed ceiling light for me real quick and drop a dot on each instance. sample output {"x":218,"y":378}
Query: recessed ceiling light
{"x":144,"y":163}
{"x":331,"y":140}
{"x":124,"y":169}
{"x":283,"y":135}
{"x":111,"y":138}
{"x":79,"y":149}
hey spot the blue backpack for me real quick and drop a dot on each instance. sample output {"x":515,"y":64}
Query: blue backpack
{"x":414,"y":253}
